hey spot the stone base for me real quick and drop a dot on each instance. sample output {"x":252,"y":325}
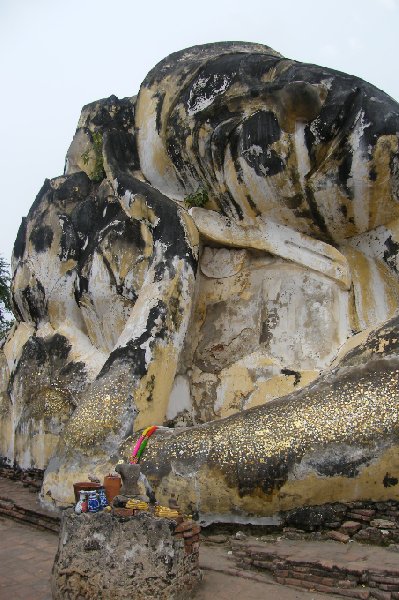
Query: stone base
{"x":325,"y":567}
{"x":102,"y":556}
{"x":31,"y":478}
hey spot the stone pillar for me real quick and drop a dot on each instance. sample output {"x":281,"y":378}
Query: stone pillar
{"x":102,"y":556}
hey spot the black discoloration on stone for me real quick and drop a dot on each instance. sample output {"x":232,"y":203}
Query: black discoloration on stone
{"x":389,"y":481}
{"x":344,"y":171}
{"x":42,"y":238}
{"x":34,"y":298}
{"x":291,"y":373}
{"x":373,"y":174}
{"x":214,"y":79}
{"x":33,"y":351}
{"x":259,"y":132}
{"x":44,"y":363}
{"x":20,"y":242}
{"x":81,"y":288}
{"x":58,"y":347}
{"x":318,"y":219}
{"x":269,"y":322}
{"x":160,"y":98}
{"x":74,"y":188}
{"x":43,"y":373}
{"x":344,"y":466}
{"x":391,"y":253}
{"x":132,"y":356}
{"x":75,"y":371}
{"x":268,"y":478}
{"x":253,"y":205}
{"x":111,"y":113}
{"x":311,"y":518}
{"x":385,"y":337}
{"x":120,"y":149}
{"x":163,"y":268}
{"x":69,"y":243}
{"x":221,"y":135}
{"x":260,"y":129}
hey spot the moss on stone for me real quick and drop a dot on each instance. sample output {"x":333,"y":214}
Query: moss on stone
{"x":98,"y":173}
{"x":198,"y":198}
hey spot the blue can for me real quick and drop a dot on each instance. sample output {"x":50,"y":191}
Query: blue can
{"x":94,"y":505}
{"x":102,"y":498}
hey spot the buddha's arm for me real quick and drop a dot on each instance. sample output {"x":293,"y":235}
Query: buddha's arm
{"x":276,"y":239}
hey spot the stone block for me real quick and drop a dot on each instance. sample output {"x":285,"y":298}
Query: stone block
{"x":383,"y":524}
{"x":357,"y":516}
{"x":338,"y":536}
{"x":350,"y":527}
{"x":185,"y":526}
{"x":370,"y":534}
{"x":385,"y":579}
{"x":379,"y":595}
{"x":103,"y":556}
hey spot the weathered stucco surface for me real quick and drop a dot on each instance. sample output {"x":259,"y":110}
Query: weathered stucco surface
{"x":220,"y":257}
{"x":103,"y":556}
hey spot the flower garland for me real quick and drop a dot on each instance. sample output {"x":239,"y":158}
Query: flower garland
{"x":141,"y":443}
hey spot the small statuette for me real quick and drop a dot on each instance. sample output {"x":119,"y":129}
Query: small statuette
{"x":81,"y":505}
{"x":94,"y":505}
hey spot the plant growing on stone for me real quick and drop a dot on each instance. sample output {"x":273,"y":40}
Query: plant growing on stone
{"x":198,"y":198}
{"x":98,"y":172}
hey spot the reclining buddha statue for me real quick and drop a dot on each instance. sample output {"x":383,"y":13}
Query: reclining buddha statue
{"x":220,"y":258}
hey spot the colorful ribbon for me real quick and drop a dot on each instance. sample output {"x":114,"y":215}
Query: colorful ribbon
{"x":141,"y":443}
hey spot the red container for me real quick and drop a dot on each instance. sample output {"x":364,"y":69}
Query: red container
{"x":83,"y":486}
{"x":112,"y":485}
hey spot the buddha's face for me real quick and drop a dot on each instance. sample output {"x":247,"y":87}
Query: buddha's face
{"x":300,"y":145}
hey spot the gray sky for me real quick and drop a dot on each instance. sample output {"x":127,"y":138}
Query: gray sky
{"x":57,"y":55}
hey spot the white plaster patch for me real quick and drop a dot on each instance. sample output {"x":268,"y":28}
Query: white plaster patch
{"x":302,"y":154}
{"x":359,"y":175}
{"x":372,"y":243}
{"x":180,"y":397}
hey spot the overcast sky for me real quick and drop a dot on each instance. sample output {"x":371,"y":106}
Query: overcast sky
{"x":56,"y":56}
